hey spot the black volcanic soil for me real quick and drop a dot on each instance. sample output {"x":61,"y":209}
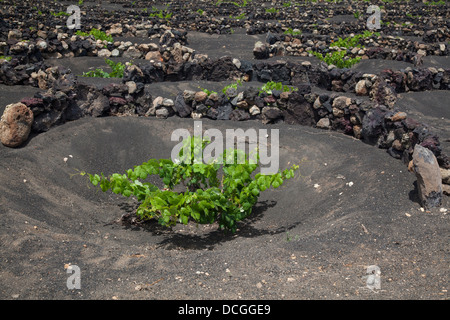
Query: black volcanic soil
{"x":313,"y":238}
{"x":301,"y":242}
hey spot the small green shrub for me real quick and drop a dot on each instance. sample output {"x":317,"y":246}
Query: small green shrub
{"x":435,"y":3}
{"x":232,"y":85}
{"x":97,"y":34}
{"x":352,"y":42}
{"x":208,"y":92}
{"x":337,"y":58}
{"x":117,"y":71}
{"x":271,"y":85}
{"x":272,"y":10}
{"x":220,"y":192}
{"x":58,"y":14}
{"x":7,"y":58}
{"x":239,"y":17}
{"x":292,"y":32}
{"x":161,"y":14}
{"x":241,"y":4}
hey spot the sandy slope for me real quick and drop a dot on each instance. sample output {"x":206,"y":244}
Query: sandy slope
{"x":302,"y":242}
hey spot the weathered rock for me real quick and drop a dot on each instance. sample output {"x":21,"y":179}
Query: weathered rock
{"x":224,"y":111}
{"x":398,"y":116}
{"x":167,"y":39}
{"x":132,"y":53}
{"x":341,"y":102}
{"x":429,"y":179}
{"x":298,"y":110}
{"x":134,"y":73}
{"x":361,"y":88}
{"x":115,"y":53}
{"x":242,"y":104}
{"x":15,"y":124}
{"x":254,"y":110}
{"x":222,"y":69}
{"x":357,"y":131}
{"x":143,"y":102}
{"x":132,"y":87}
{"x":239,"y":115}
{"x":98,"y":105}
{"x":196,"y":115}
{"x":188,"y":96}
{"x":200,"y":96}
{"x":35,"y":104}
{"x":383,"y":93}
{"x":271,"y":115}
{"x":181,"y":107}
{"x":14,"y":34}
{"x":323,"y":123}
{"x":115,"y":30}
{"x":201,"y":108}
{"x":104,"y":53}
{"x":373,"y":125}
{"x":338,"y":113}
{"x":261,"y":50}
{"x":163,"y":113}
{"x":45,"y":121}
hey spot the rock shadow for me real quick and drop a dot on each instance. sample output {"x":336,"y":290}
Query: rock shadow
{"x":206,"y":237}
{"x":414,"y":194}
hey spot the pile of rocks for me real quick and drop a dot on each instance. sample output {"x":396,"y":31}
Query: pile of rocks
{"x":61,"y":45}
{"x":374,"y":123}
{"x":221,"y":18}
{"x":378,"y":124}
{"x":388,"y":48}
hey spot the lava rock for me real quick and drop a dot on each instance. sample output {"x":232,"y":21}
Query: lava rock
{"x":239,"y":115}
{"x":224,"y":111}
{"x":429,"y":179}
{"x":323,"y":123}
{"x":261,"y":50}
{"x":181,"y":107}
{"x":15,"y":124}
{"x":298,"y":111}
{"x":373,"y":125}
{"x":271,"y":115}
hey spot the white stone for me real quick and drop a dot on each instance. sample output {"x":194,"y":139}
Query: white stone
{"x":104,"y":53}
{"x":115,"y":53}
{"x":254,"y":110}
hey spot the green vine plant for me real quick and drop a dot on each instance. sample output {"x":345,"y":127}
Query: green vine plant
{"x":218,"y":191}
{"x":232,"y":85}
{"x":272,"y":10}
{"x":161,"y":14}
{"x":208,"y":92}
{"x":240,"y":4}
{"x":59,"y":14}
{"x":340,"y":58}
{"x":117,"y":71}
{"x":336,"y":58}
{"x":292,"y":32}
{"x":239,"y":17}
{"x":97,"y":34}
{"x":271,"y":85}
